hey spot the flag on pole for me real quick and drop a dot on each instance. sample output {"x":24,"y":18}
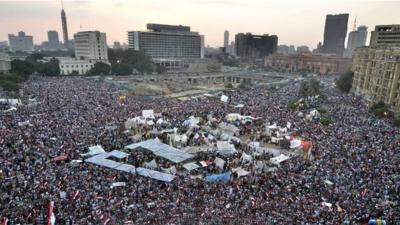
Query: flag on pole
{"x":52,"y":217}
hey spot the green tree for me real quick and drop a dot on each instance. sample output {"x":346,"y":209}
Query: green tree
{"x":310,"y":88}
{"x":345,"y":81}
{"x":99,"y":68}
{"x":22,"y":67}
{"x":121,"y":69}
{"x":138,"y":60}
{"x":50,"y":68}
{"x":9,"y":85}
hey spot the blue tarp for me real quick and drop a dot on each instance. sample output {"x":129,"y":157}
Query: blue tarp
{"x":222,"y":177}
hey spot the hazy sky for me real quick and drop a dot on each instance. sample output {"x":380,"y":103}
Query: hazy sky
{"x":298,"y":22}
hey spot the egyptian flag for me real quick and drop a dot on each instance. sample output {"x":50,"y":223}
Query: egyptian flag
{"x":5,"y":221}
{"x":52,"y":217}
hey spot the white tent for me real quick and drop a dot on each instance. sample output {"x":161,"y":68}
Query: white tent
{"x":240,"y":172}
{"x":225,"y":148}
{"x":151,"y":165}
{"x":246,"y":158}
{"x":224,"y":98}
{"x":239,"y":106}
{"x":278,"y":159}
{"x":192,"y":121}
{"x":219,"y":162}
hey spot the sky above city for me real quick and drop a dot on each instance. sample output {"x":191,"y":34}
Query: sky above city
{"x":297,"y":22}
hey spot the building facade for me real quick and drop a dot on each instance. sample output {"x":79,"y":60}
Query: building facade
{"x":53,"y":41}
{"x":21,"y":43}
{"x":317,"y":64}
{"x":250,"y":47}
{"x":167,"y":42}
{"x":335,"y":34}
{"x":357,"y":38}
{"x":377,"y":75}
{"x":385,"y":35}
{"x":74,"y":66}
{"x":91,"y":45}
{"x":5,"y":64}
{"x":90,"y":48}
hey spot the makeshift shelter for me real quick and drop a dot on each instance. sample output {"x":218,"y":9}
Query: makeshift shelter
{"x":94,"y":150}
{"x":224,"y":98}
{"x":219,"y":163}
{"x":224,"y":148}
{"x":222,"y":177}
{"x":278,"y":159}
{"x":240,"y":172}
{"x":191,"y":166}
{"x":162,"y":150}
{"x":155,"y":174}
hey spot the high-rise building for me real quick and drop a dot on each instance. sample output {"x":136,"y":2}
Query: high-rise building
{"x":226,"y":40}
{"x":292,"y":50}
{"x":53,"y":40}
{"x":22,"y":42}
{"x":117,"y":45}
{"x":91,"y":45}
{"x":250,"y":47}
{"x":283,"y":49}
{"x":335,"y":34}
{"x":167,"y":42}
{"x":377,"y":74}
{"x":385,"y":35}
{"x":64,"y":27}
{"x":357,"y":38}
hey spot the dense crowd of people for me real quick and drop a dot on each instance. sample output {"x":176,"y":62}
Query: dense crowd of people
{"x":358,"y":154}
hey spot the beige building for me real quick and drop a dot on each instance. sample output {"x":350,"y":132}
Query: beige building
{"x":309,"y":63}
{"x":376,"y":75}
{"x":385,"y":35}
{"x":5,"y":63}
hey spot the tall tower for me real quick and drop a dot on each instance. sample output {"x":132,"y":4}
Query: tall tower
{"x":335,"y":34}
{"x":226,"y":40}
{"x":64,"y":25}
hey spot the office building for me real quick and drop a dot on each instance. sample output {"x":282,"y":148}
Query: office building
{"x":317,"y":64}
{"x":117,"y":45}
{"x":167,"y":42}
{"x":357,"y":38}
{"x":226,"y":40}
{"x":3,"y":46}
{"x":292,"y":50}
{"x":377,"y":74}
{"x":335,"y":34}
{"x":64,"y":27}
{"x":231,"y":48}
{"x":385,"y":35}
{"x":90,"y":48}
{"x":20,"y":43}
{"x":5,"y":64}
{"x":249,"y":46}
{"x":53,"y":41}
{"x":91,"y":45}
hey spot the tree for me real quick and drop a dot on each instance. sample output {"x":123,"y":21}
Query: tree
{"x":138,"y":60}
{"x":121,"y":69}
{"x":9,"y":85}
{"x":310,"y":88}
{"x":345,"y":81}
{"x":50,"y":68}
{"x":99,"y":68}
{"x":228,"y":85}
{"x":22,"y":67}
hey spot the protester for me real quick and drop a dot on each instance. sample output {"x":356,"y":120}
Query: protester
{"x":358,"y":154}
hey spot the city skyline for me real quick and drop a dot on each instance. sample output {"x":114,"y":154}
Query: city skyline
{"x":117,"y":17}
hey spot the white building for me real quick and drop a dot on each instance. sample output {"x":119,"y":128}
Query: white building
{"x":91,"y":45}
{"x":5,"y":63}
{"x":90,"y":48}
{"x":21,"y":43}
{"x":74,"y":66}
{"x":357,"y":38}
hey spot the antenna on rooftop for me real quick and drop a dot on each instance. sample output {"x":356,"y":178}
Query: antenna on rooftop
{"x":355,"y":24}
{"x":62,"y":4}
